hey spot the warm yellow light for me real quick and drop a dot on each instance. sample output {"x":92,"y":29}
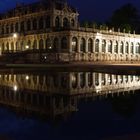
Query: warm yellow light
{"x":15,"y":88}
{"x":27,"y":47}
{"x":27,"y":77}
{"x":14,"y":35}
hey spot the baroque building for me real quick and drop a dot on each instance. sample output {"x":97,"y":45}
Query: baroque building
{"x":49,"y":31}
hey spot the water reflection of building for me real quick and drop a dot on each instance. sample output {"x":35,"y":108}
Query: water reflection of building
{"x":55,"y":94}
{"x":50,"y":32}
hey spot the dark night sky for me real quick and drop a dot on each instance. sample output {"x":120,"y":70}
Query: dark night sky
{"x":98,"y":10}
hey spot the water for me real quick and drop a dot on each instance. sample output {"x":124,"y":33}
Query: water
{"x":69,"y":105}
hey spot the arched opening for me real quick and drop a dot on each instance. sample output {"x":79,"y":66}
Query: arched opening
{"x":41,"y":44}
{"x":82,"y":80}
{"x":7,"y":47}
{"x":12,"y":46}
{"x":65,"y":23}
{"x":35,"y":44}
{"x":22,"y":26}
{"x":74,"y":80}
{"x":72,"y":23}
{"x":132,"y":48}
{"x":127,"y":48}
{"x":57,"y":22}
{"x":116,"y":47}
{"x":97,"y":45}
{"x":34,"y":24}
{"x":41,"y":23}
{"x":103,"y":46}
{"x":110,"y":46}
{"x":29,"y":44}
{"x":90,"y":79}
{"x":48,"y":44}
{"x":90,"y":45}
{"x":17,"y":46}
{"x":55,"y":45}
{"x":121,"y":47}
{"x":16,"y":27}
{"x":7,"y":29}
{"x":138,"y":48}
{"x":48,"y":20}
{"x":74,"y":44}
{"x":64,"y":43}
{"x":12,"y":28}
{"x":28,"y":25}
{"x":22,"y":45}
{"x":82,"y":45}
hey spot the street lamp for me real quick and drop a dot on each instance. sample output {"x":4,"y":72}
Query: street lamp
{"x":27,"y":46}
{"x":15,"y":88}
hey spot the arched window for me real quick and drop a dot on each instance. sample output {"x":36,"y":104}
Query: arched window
{"x":7,"y":29}
{"x":16,"y":27}
{"x":83,"y":45}
{"x":82,"y":80}
{"x":90,"y":45}
{"x":57,"y":22}
{"x":41,"y":23}
{"x":7,"y":46}
{"x":17,"y":46}
{"x":35,"y":44}
{"x":90,"y":79}
{"x":64,"y":43}
{"x":138,"y":48}
{"x":55,"y":44}
{"x":132,"y":48}
{"x":72,"y":22}
{"x":65,"y":22}
{"x":22,"y":45}
{"x":127,"y":48}
{"x":110,"y":46}
{"x":74,"y":80}
{"x":12,"y":46}
{"x":28,"y":25}
{"x":121,"y":47}
{"x":48,"y":44}
{"x":34,"y":24}
{"x":3,"y":47}
{"x":48,"y":20}
{"x":116,"y":47}
{"x":97,"y":45}
{"x":104,"y":46}
{"x":12,"y":28}
{"x":41,"y":44}
{"x":29,"y":44}
{"x":74,"y":44}
{"x":22,"y":26}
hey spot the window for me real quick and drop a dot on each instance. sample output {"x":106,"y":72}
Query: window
{"x":82,"y":45}
{"x":90,"y":44}
{"x":110,"y":46}
{"x":64,"y":43}
{"x":121,"y":47}
{"x":65,"y":22}
{"x":74,"y":44}
{"x":104,"y":46}
{"x":138,"y":48}
{"x":116,"y":47}
{"x":28,"y":25}
{"x":127,"y":48}
{"x":97,"y":45}
{"x":55,"y":44}
{"x":132,"y":48}
{"x":35,"y":44}
{"x":57,"y":22}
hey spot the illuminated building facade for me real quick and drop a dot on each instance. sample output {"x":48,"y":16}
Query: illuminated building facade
{"x":49,"y":31}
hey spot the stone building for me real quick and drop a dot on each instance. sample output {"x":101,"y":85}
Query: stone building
{"x":49,"y":31}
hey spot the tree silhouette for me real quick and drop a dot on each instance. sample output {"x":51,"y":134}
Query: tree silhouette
{"x":125,"y":17}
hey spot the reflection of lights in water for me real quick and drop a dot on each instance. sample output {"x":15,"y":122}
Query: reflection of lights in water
{"x":15,"y":87}
{"x":27,"y":77}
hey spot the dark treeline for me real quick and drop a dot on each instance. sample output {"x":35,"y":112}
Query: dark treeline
{"x":124,"y":19}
